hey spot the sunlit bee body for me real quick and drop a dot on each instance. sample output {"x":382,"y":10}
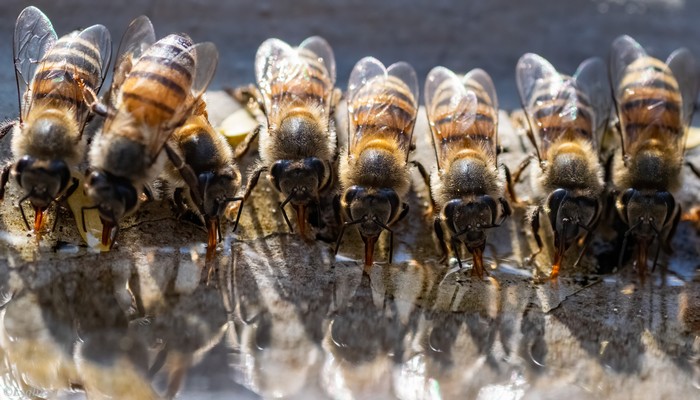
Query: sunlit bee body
{"x":468,"y":185}
{"x":374,"y":175}
{"x":567,"y":117}
{"x":155,"y":88}
{"x":47,"y":142}
{"x":655,"y":101}
{"x":210,"y":157}
{"x":299,"y":142}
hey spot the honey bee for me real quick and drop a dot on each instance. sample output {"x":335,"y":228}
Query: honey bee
{"x":154,"y":90}
{"x":211,"y":159}
{"x":468,"y":185}
{"x":655,"y":102}
{"x":47,"y":140}
{"x":299,"y":142}
{"x":374,"y":174}
{"x":567,"y":117}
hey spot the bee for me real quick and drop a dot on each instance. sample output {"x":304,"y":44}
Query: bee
{"x":154,"y":90}
{"x":468,"y":185}
{"x":567,"y":116}
{"x":47,"y":140}
{"x":374,"y":174}
{"x":298,"y":145}
{"x":211,"y":159}
{"x":654,"y":103}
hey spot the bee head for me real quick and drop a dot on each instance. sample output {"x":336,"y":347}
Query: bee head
{"x":569,"y":214}
{"x":468,"y":220}
{"x":299,"y":181}
{"x":43,"y":181}
{"x":218,"y":189}
{"x":114,"y":197}
{"x":646,"y":213}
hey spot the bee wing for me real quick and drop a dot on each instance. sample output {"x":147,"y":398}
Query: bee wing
{"x":289,"y":77}
{"x":480,"y":83}
{"x":33,"y":37}
{"x":592,"y":81}
{"x":623,"y":52}
{"x":682,"y":64}
{"x":382,"y":98}
{"x":206,"y":59}
{"x":138,"y":37}
{"x":451,"y":110}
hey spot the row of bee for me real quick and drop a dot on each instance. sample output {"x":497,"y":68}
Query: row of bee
{"x":155,"y":124}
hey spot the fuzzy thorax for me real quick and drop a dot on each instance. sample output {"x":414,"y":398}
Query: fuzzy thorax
{"x":649,"y":169}
{"x":376,"y":167}
{"x":49,"y":134}
{"x":572,"y":165}
{"x":469,"y":175}
{"x":298,"y":134}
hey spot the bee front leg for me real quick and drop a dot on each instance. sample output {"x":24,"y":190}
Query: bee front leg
{"x":90,"y":98}
{"x":690,"y":165}
{"x":666,"y":243}
{"x":510,"y":184}
{"x":426,"y":178}
{"x":4,"y":177}
{"x":186,"y":172}
{"x":437,"y":225}
{"x":6,"y":127}
{"x":535,"y":225}
{"x":521,"y":167}
{"x":253,"y":181}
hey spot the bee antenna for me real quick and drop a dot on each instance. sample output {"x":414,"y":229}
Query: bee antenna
{"x":21,"y":208}
{"x":624,"y":243}
{"x":284,"y":213}
{"x":342,"y":232}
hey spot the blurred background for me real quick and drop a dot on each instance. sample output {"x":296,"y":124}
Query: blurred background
{"x":460,"y":35}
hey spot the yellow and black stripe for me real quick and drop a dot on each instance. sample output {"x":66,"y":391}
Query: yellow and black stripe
{"x":649,"y":104}
{"x":72,"y":58}
{"x":453,"y":126}
{"x":383,"y":109}
{"x":160,"y":81}
{"x":300,"y":82}
{"x":567,"y":115}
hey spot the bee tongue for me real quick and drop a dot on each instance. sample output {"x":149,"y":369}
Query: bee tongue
{"x":369,"y":249}
{"x":302,"y":216}
{"x":107,"y":227}
{"x":558,"y":256}
{"x":212,"y":229}
{"x":478,"y":255}
{"x":38,"y":218}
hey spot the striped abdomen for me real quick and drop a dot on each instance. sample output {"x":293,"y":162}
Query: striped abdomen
{"x":159,"y":82}
{"x":566,"y":115}
{"x":203,"y":148}
{"x":303,"y":81}
{"x":383,"y":114}
{"x":55,"y":81}
{"x":649,"y":97}
{"x":462,"y":129}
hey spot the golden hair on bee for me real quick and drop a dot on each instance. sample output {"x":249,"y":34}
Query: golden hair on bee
{"x":567,"y":116}
{"x":155,"y":88}
{"x":374,"y":176}
{"x":47,"y":143}
{"x":298,"y":142}
{"x":654,"y":103}
{"x":468,"y":185}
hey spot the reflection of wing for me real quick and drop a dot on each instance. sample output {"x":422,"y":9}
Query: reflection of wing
{"x":206,"y":58}
{"x":79,"y":56}
{"x":382,"y":103}
{"x":138,"y":37}
{"x":553,"y":104}
{"x":462,"y":113}
{"x":594,"y":91}
{"x":650,"y":104}
{"x":33,"y":37}
{"x":301,"y":77}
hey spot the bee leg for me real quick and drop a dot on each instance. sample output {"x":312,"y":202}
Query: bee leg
{"x":253,"y":181}
{"x":404,"y":212}
{"x":186,"y":172}
{"x":455,"y":250}
{"x":535,"y":225}
{"x":179,"y":202}
{"x":91,"y":99}
{"x":71,"y":189}
{"x":666,"y":243}
{"x":690,"y":165}
{"x":243,"y":147}
{"x":510,"y":185}
{"x":518,"y":172}
{"x":437,"y":225}
{"x":6,"y":127}
{"x":4,"y":177}
{"x":426,"y":178}
{"x":587,"y":239}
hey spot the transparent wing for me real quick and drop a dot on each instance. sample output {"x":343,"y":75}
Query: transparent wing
{"x":382,"y":101}
{"x":323,"y":50}
{"x":289,"y":77}
{"x":99,"y":37}
{"x":450,"y":107}
{"x":592,"y":81}
{"x":480,"y":83}
{"x":33,"y":37}
{"x":682,"y":64}
{"x":138,"y":37}
{"x":623,"y":52}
